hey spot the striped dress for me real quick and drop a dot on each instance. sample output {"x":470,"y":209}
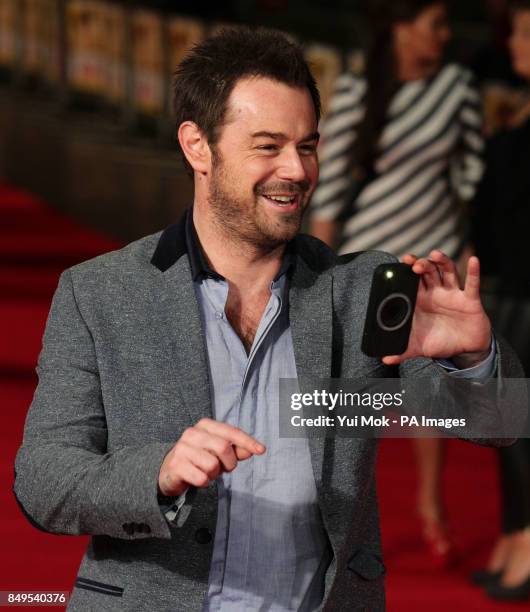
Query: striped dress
{"x":429,"y":162}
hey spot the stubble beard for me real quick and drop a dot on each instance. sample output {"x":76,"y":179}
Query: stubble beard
{"x":243,"y":220}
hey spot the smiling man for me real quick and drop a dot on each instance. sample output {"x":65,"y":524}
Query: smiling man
{"x":257,"y":200}
{"x":154,"y":427}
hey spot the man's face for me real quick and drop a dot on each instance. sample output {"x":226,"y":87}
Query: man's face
{"x":264,"y":165}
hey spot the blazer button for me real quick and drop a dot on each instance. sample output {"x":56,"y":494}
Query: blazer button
{"x":203,"y":536}
{"x":128,"y":528}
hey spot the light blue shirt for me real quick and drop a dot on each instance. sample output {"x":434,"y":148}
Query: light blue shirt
{"x":271,"y":550}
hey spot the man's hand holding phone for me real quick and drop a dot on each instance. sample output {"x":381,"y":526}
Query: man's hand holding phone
{"x":449,"y":320}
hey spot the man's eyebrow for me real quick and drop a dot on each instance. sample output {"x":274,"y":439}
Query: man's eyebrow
{"x":282,"y":136}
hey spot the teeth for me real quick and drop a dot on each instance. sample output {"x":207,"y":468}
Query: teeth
{"x":282,"y":199}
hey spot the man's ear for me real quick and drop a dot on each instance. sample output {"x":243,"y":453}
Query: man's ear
{"x":195,"y":146}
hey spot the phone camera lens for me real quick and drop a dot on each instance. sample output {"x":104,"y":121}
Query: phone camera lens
{"x":394,"y":311}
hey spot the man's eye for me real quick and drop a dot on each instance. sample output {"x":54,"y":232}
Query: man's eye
{"x":269,"y":147}
{"x":308,"y":149}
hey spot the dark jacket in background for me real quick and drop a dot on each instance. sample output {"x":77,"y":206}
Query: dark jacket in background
{"x":501,"y":215}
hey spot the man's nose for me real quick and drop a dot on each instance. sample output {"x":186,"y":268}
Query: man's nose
{"x":291,"y":166}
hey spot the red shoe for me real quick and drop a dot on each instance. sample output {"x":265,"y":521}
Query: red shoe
{"x":439,"y":544}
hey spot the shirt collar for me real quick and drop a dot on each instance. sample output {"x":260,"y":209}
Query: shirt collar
{"x":200,"y":268}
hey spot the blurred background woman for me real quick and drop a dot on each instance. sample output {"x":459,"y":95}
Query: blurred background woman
{"x":501,"y":223}
{"x":401,"y":152}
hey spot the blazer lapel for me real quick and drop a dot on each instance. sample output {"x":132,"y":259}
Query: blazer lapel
{"x":311,"y":319}
{"x":188,"y":342}
{"x":178,"y":308}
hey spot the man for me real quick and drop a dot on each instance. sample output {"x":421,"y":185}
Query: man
{"x":153,"y":427}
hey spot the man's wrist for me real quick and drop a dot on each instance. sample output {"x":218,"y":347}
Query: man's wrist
{"x":165,"y":500}
{"x":173,"y":492}
{"x":470,"y":360}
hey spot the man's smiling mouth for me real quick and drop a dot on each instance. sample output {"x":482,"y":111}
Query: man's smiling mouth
{"x":287,"y":202}
{"x":282,"y":200}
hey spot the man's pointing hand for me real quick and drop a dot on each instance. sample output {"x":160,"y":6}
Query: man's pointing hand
{"x":202,"y":453}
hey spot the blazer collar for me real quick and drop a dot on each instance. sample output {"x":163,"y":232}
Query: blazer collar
{"x":181,"y":238}
{"x":171,"y":245}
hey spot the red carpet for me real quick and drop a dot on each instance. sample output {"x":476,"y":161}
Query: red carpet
{"x":35,"y":246}
{"x":472,"y":498}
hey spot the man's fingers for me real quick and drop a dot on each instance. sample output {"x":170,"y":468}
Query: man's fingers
{"x":205,"y":461}
{"x":217,"y":446}
{"x":393,"y":359}
{"x":202,"y":453}
{"x":472,"y":284}
{"x":235,"y":436}
{"x":447,"y":267}
{"x":242,"y":453}
{"x":194,"y":476}
{"x":409,"y":259}
{"x":174,"y":482}
{"x":430,"y":274}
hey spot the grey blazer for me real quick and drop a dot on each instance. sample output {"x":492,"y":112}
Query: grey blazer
{"x":123,"y":372}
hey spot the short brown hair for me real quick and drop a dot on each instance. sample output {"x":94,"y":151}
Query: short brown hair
{"x":206,"y":77}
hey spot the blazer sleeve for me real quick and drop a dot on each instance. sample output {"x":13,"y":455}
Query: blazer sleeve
{"x":65,"y":479}
{"x":495,"y":409}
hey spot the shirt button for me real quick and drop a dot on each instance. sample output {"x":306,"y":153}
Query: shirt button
{"x":203,"y":535}
{"x":219,"y":315}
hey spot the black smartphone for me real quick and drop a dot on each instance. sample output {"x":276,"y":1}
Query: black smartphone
{"x":390,"y":310}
